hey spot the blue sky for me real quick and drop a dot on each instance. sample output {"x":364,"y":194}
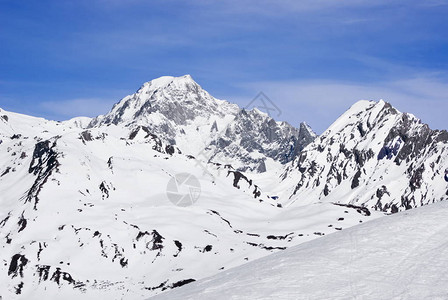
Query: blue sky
{"x":313,"y":58}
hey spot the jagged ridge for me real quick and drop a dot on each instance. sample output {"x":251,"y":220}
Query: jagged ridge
{"x":373,"y":156}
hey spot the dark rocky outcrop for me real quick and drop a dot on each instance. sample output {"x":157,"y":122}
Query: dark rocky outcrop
{"x":43,"y":164}
{"x":18,"y":262}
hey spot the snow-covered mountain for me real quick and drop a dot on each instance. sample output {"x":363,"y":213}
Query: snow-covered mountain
{"x":372,"y":156}
{"x":87,"y":207}
{"x":396,"y":257}
{"x":179,"y":111}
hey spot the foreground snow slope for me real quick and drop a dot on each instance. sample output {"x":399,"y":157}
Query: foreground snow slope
{"x":403,"y":256}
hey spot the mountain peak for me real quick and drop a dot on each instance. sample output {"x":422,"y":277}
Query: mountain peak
{"x":363,"y":105}
{"x":363,"y":111}
{"x":177,"y":98}
{"x":371,"y":145}
{"x":178,"y":110}
{"x":307,"y":128}
{"x":180,"y":82}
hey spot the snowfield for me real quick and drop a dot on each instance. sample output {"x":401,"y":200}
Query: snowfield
{"x":403,"y":256}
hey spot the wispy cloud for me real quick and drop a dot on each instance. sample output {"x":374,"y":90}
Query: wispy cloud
{"x":87,"y":107}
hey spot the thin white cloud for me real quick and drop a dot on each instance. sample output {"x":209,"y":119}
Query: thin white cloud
{"x":82,"y":107}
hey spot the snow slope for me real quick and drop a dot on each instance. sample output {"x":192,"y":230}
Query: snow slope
{"x":403,"y":256}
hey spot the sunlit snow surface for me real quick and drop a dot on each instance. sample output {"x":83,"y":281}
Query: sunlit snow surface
{"x":403,"y":256}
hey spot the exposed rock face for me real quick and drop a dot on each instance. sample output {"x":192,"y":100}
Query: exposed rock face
{"x":142,"y":134}
{"x":18,"y":262}
{"x":253,"y":137}
{"x":44,"y":162}
{"x":306,"y":136}
{"x":373,"y":156}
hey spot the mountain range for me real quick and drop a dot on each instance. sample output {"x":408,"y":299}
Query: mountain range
{"x":173,"y":185}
